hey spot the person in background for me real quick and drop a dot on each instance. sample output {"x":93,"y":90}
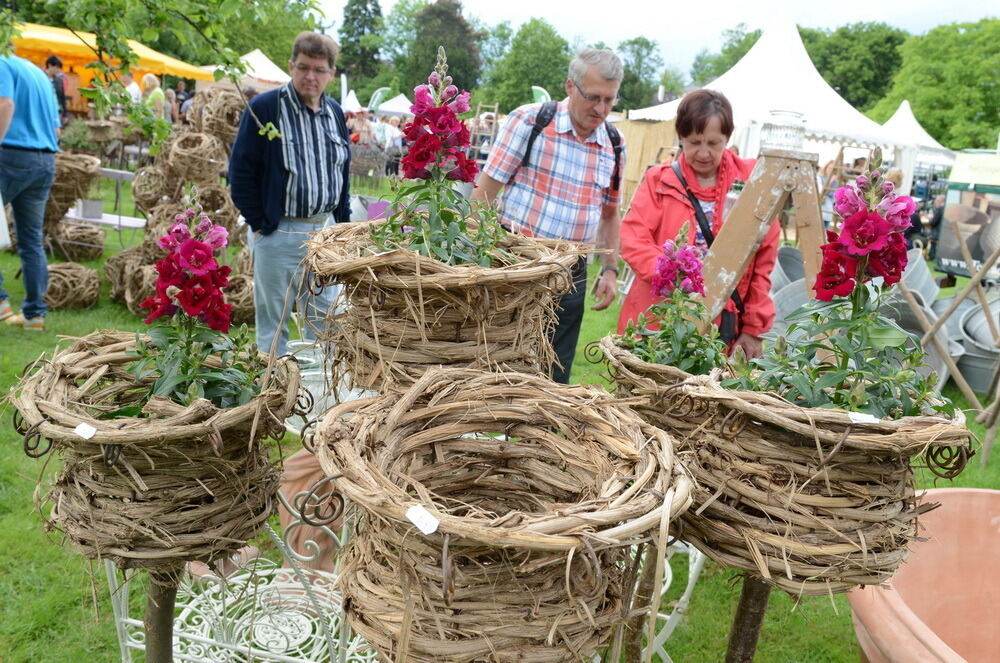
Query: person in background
{"x":566,"y":189}
{"x":662,"y":205}
{"x":169,"y":105}
{"x":132,"y":88}
{"x":291,"y":186}
{"x":29,"y":139}
{"x":937,"y":218}
{"x":182,"y":92}
{"x":152,"y":94}
{"x":186,"y":108}
{"x":53,"y":68}
{"x":249,"y":92}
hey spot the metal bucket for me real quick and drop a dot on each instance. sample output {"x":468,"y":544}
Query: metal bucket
{"x":918,"y":276}
{"x":787,"y":268}
{"x":980,"y":360}
{"x":954,"y":322}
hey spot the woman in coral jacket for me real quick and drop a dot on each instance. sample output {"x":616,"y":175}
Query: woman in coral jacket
{"x":661,"y":207}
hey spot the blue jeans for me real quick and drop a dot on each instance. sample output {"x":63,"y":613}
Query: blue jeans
{"x":25,"y":180}
{"x":280,"y":283}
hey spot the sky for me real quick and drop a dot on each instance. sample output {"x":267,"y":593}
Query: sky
{"x":682,"y":32}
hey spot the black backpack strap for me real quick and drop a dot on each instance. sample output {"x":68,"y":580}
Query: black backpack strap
{"x":616,"y":145}
{"x":706,"y":228}
{"x":542,"y":120}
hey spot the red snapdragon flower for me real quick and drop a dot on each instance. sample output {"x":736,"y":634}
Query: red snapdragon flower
{"x":864,"y":232}
{"x":465,"y":168}
{"x":889,"y":262}
{"x":196,"y":256}
{"x":837,"y":275}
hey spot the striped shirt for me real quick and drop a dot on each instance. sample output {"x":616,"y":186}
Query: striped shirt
{"x":313,"y":152}
{"x":568,"y":179}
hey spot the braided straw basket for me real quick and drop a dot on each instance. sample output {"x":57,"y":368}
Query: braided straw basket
{"x":537,"y":490}
{"x":407,"y":312}
{"x":72,"y":286}
{"x":813,"y":501}
{"x":154,"y":491}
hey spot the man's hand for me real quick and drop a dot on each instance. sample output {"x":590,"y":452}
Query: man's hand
{"x":751,"y":345}
{"x":605,"y":290}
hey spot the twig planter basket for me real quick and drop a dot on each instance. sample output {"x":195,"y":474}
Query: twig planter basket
{"x":79,"y":241}
{"x":72,"y":286}
{"x":181,"y":484}
{"x":812,"y":501}
{"x":406,"y":312}
{"x":536,"y":489}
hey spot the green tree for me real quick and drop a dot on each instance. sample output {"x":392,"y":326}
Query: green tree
{"x":538,"y":55}
{"x":857,"y":60}
{"x":950,"y":76}
{"x":673,"y":83}
{"x":642,"y":62}
{"x":495,"y":45}
{"x":736,"y":42}
{"x":360,"y":38}
{"x":442,"y":24}
{"x":400,"y":30}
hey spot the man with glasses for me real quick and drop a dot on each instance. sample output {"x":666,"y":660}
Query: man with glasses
{"x":290,"y":186}
{"x":563,"y":188}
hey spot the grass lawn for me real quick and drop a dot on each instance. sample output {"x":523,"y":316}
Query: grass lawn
{"x":55,"y":606}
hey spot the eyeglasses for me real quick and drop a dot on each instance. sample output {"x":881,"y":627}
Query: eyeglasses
{"x":595,"y":98}
{"x":305,"y":69}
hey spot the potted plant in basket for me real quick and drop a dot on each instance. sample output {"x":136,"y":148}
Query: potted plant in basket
{"x":802,"y":457}
{"x":162,"y":435}
{"x":439,"y":282}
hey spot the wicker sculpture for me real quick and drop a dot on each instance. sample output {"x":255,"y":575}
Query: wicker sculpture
{"x":408,"y":312}
{"x":221,"y":115}
{"x":75,"y":174}
{"x":240,"y":295}
{"x":72,"y":286}
{"x":152,"y":186}
{"x":812,"y":501}
{"x":139,"y":284}
{"x":117,"y":269}
{"x":215,"y":201}
{"x":527,"y":494}
{"x":198,"y":157}
{"x":78,"y":241}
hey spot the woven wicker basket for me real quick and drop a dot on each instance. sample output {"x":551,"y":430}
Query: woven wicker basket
{"x":178,"y":484}
{"x":198,"y":157}
{"x":78,"y":241}
{"x":812,"y":501}
{"x":535,"y":489}
{"x":221,"y":116}
{"x":407,"y":312}
{"x":118,"y":267}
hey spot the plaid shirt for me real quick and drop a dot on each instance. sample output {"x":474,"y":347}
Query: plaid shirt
{"x":567,"y":180}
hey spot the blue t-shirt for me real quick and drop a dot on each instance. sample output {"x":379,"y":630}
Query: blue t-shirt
{"x":36,"y":114}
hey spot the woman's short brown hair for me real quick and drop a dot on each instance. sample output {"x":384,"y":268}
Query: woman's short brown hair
{"x":315,"y":45}
{"x":700,"y":106}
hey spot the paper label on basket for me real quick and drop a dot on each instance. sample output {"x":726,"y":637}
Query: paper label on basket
{"x":86,"y":431}
{"x":423,"y":519}
{"x":862,"y":418}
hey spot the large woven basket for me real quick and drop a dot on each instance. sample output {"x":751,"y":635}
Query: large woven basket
{"x":72,"y":286}
{"x":152,"y":491}
{"x":812,"y":501}
{"x":536,"y":489}
{"x":198,"y":157}
{"x":78,"y":241}
{"x":406,"y":312}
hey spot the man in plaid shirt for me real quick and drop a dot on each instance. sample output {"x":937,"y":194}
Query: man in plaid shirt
{"x":565,"y":191}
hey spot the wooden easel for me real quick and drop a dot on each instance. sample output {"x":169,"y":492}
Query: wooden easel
{"x":778,"y":175}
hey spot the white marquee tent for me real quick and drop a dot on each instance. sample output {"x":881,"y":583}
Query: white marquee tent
{"x":398,"y":105}
{"x":262,"y":74}
{"x":350,"y":103}
{"x":777,"y":75}
{"x":904,"y":123}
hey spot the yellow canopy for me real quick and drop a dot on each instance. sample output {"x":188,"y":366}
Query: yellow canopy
{"x":37,"y":42}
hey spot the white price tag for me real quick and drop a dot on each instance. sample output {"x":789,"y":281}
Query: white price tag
{"x":862,"y":418}
{"x":86,"y":431}
{"x":422,"y":518}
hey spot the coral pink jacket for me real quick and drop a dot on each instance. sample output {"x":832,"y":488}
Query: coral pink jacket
{"x":659,"y":209}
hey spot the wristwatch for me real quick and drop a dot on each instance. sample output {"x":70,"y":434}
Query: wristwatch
{"x":609,"y":268}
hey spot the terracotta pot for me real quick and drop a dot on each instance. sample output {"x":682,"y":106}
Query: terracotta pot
{"x":940,"y":605}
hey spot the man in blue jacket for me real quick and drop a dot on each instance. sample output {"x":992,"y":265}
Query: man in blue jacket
{"x":290,"y":186}
{"x":29,"y":123}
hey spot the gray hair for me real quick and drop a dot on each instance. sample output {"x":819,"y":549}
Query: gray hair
{"x":608,"y":64}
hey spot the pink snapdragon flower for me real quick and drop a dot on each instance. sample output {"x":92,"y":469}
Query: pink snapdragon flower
{"x":864,"y":232}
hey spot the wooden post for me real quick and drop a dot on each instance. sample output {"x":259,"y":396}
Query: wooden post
{"x":748,"y":620}
{"x":777,"y":175}
{"x":159,"y":622}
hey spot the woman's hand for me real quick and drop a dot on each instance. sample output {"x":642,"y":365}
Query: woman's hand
{"x":751,"y":345}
